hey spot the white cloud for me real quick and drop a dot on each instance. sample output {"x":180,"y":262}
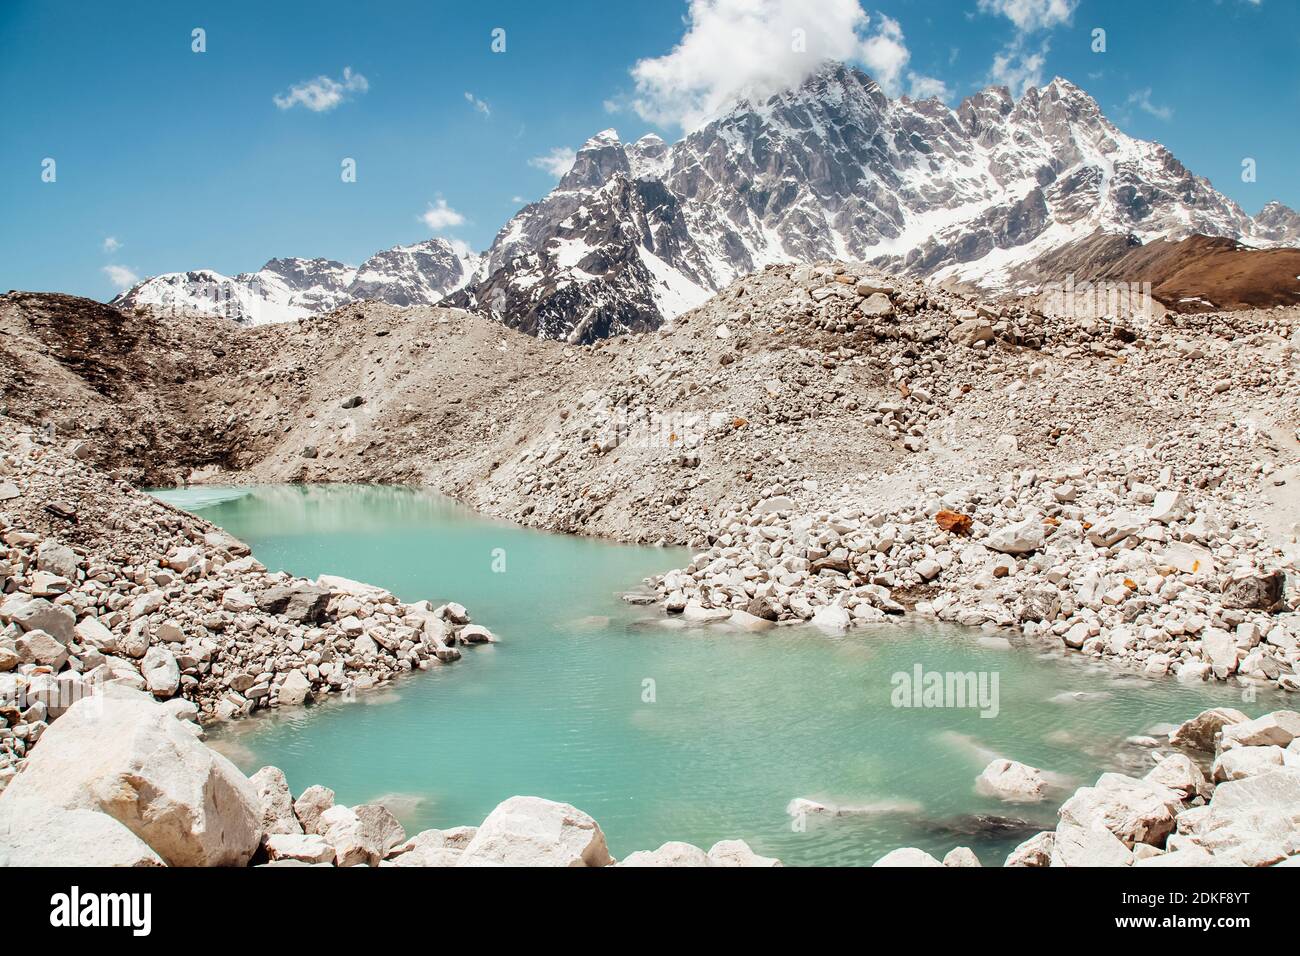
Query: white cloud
{"x":1016,"y":66}
{"x":478,"y":104}
{"x":1018,"y":70}
{"x":461,"y":248}
{"x":1031,"y":15}
{"x":121,"y":277}
{"x":111,"y":244}
{"x":323,"y":93}
{"x":1142,"y":100}
{"x":557,"y":162}
{"x":924,"y":87}
{"x":440,"y":216}
{"x":885,"y":55}
{"x":739,"y":48}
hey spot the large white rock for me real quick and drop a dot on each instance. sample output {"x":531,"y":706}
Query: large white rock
{"x":162,"y":675}
{"x":120,"y":753}
{"x":1020,"y":538}
{"x":313,"y":802}
{"x":38,"y":614}
{"x":1253,"y":820}
{"x":1202,"y":731}
{"x":1012,"y":782}
{"x":737,"y":853}
{"x":35,"y":832}
{"x":1179,"y":772}
{"x":1219,"y":649}
{"x":360,"y":835}
{"x":276,"y":801}
{"x":774,"y":504}
{"x":303,"y":847}
{"x":432,"y":848}
{"x":1135,"y":811}
{"x":1242,"y":762}
{"x":832,"y":618}
{"x":908,"y":856}
{"x":531,"y":831}
{"x":1169,"y":506}
{"x":961,"y":857}
{"x":1092,"y":845}
{"x":672,"y":854}
{"x":295,"y":689}
{"x":1272,"y":730}
{"x":1036,"y":851}
{"x":1190,"y":559}
{"x":1114,"y":527}
{"x":1192,"y":855}
{"x":699,"y":614}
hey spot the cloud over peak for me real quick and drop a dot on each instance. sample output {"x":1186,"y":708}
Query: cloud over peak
{"x":557,"y":162}
{"x":440,"y":216}
{"x":754,"y":48}
{"x":121,"y":277}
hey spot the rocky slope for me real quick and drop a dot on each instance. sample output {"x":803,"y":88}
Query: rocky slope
{"x":101,"y":584}
{"x":834,"y":169}
{"x":288,"y":289}
{"x":1196,"y":274}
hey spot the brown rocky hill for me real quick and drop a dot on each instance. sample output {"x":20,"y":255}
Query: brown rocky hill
{"x":1196,"y":274}
{"x":793,"y":379}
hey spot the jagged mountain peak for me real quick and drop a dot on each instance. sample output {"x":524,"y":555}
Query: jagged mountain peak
{"x":833,"y":168}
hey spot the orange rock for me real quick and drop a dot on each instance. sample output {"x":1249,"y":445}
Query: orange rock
{"x":953,"y":521}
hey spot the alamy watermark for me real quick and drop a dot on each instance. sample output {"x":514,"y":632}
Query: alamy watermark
{"x":977,"y":690}
{"x":1098,"y":300}
{"x":622,"y":426}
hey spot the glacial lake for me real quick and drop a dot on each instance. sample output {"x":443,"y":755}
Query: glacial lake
{"x":659,"y":730}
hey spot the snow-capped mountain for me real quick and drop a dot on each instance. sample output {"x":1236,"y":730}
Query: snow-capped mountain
{"x":414,"y":275}
{"x":1279,"y":223}
{"x":999,"y":192}
{"x":637,"y":233}
{"x":288,"y":289}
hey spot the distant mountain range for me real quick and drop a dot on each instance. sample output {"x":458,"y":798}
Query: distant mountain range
{"x":288,"y":289}
{"x":994,"y":193}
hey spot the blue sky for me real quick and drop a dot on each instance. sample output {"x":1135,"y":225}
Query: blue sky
{"x":187,"y":160}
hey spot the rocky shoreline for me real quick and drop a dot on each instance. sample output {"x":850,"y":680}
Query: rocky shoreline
{"x":1120,"y":559}
{"x":1241,"y":809}
{"x":123,"y":780}
{"x":101,"y":584}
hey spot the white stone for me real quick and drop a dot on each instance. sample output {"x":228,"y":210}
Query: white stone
{"x":907,"y":856}
{"x":531,"y":831}
{"x":35,"y":832}
{"x":118,"y":752}
{"x":1011,"y":782}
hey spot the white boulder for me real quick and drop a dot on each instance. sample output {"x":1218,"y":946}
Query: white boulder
{"x":532,"y":831}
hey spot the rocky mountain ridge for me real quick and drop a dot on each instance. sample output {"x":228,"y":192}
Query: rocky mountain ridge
{"x":835,"y":169}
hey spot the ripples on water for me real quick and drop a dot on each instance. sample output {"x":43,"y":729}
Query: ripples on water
{"x":739,"y":725}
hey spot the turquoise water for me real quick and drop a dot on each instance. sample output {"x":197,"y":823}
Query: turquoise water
{"x":736,"y":725}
